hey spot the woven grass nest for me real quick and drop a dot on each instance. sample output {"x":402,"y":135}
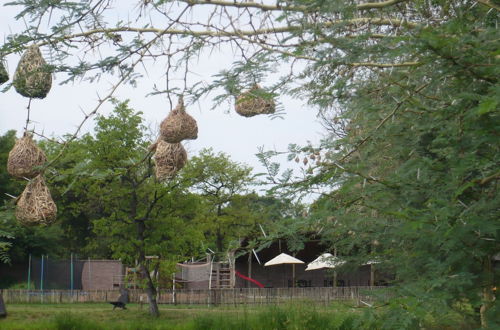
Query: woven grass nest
{"x":25,"y":158}
{"x":251,"y":103}
{"x":178,"y":125}
{"x":4,"y":76}
{"x":36,"y":206}
{"x":169,"y":159}
{"x":32,"y":79}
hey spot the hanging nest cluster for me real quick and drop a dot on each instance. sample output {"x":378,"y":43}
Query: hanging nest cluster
{"x":36,"y":206}
{"x":26,"y":158}
{"x":4,"y":76}
{"x":32,"y":77}
{"x":178,"y":125}
{"x":169,"y":159}
{"x":251,"y":103}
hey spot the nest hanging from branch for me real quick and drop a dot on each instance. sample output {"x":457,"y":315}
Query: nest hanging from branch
{"x":36,"y":206}
{"x":169,"y":159}
{"x":251,"y":103}
{"x":178,"y":125}
{"x":26,"y":158}
{"x":32,"y":77}
{"x":4,"y":76}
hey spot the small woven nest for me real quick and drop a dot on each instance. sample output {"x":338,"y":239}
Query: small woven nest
{"x":32,"y":77}
{"x":251,"y":103}
{"x":36,"y":206}
{"x":25,"y":159}
{"x":178,"y":125}
{"x":4,"y":76}
{"x":169,"y":159}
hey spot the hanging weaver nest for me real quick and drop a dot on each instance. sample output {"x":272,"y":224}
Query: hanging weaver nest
{"x":32,"y":78}
{"x":4,"y":76}
{"x":35,"y":206}
{"x":25,"y":158}
{"x":251,"y":103}
{"x":169,"y":159}
{"x":178,"y":125}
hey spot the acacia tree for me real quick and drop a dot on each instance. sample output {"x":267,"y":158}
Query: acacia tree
{"x":414,"y":69}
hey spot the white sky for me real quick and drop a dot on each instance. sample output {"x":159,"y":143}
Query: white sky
{"x":222,"y":129}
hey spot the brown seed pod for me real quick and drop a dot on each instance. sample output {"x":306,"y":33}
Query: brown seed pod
{"x":4,"y":76}
{"x":178,"y":125}
{"x":35,"y":205}
{"x":32,"y":77}
{"x":305,"y":161}
{"x":169,"y":159}
{"x":250,"y":103}
{"x":25,"y":158}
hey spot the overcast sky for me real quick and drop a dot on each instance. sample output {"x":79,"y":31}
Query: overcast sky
{"x":222,"y":129}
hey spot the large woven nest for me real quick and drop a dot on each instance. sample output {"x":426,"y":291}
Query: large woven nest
{"x":35,"y":206}
{"x":251,"y":103}
{"x":4,"y":76}
{"x":32,"y":77}
{"x":25,"y":158}
{"x":178,"y":125}
{"x":169,"y":159}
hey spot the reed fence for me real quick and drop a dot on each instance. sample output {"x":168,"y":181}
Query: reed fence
{"x":237,"y":296}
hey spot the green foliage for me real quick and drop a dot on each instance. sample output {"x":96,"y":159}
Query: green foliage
{"x":221,"y":182}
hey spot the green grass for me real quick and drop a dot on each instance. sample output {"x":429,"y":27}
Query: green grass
{"x":296,"y":316}
{"x":101,"y":316}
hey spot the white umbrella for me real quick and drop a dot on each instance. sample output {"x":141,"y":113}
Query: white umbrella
{"x":285,"y":259}
{"x":326,"y":260}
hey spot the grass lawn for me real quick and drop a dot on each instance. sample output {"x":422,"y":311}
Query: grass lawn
{"x":102,"y":316}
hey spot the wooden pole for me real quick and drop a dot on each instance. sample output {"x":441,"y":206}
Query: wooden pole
{"x":249,"y":268}
{"x":372,"y":275}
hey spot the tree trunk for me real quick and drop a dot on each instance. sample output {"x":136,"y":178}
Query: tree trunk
{"x":150,"y":287}
{"x":3,"y":310}
{"x":488,"y":296}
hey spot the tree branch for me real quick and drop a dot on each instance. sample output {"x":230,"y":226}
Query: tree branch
{"x":489,"y":3}
{"x":378,"y":5}
{"x":264,"y":7}
{"x":235,"y":32}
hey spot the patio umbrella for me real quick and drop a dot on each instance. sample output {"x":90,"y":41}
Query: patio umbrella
{"x":326,"y":260}
{"x":283,"y":259}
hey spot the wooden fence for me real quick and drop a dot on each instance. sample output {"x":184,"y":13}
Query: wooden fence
{"x":194,"y":297}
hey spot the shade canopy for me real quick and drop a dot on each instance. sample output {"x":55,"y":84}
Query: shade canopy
{"x":283,"y":259}
{"x":326,"y":260}
{"x":371,"y":262}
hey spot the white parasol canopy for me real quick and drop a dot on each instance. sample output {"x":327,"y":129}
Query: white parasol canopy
{"x":283,"y":259}
{"x":326,"y":260}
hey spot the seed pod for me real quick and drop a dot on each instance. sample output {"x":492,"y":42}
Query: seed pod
{"x":305,"y":161}
{"x":32,"y":77}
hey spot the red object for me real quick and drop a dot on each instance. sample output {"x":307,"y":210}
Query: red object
{"x":260,"y":285}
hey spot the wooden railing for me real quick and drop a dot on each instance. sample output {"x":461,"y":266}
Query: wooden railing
{"x":193,"y":297}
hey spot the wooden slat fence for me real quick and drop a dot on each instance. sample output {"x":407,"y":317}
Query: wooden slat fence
{"x":237,"y":296}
